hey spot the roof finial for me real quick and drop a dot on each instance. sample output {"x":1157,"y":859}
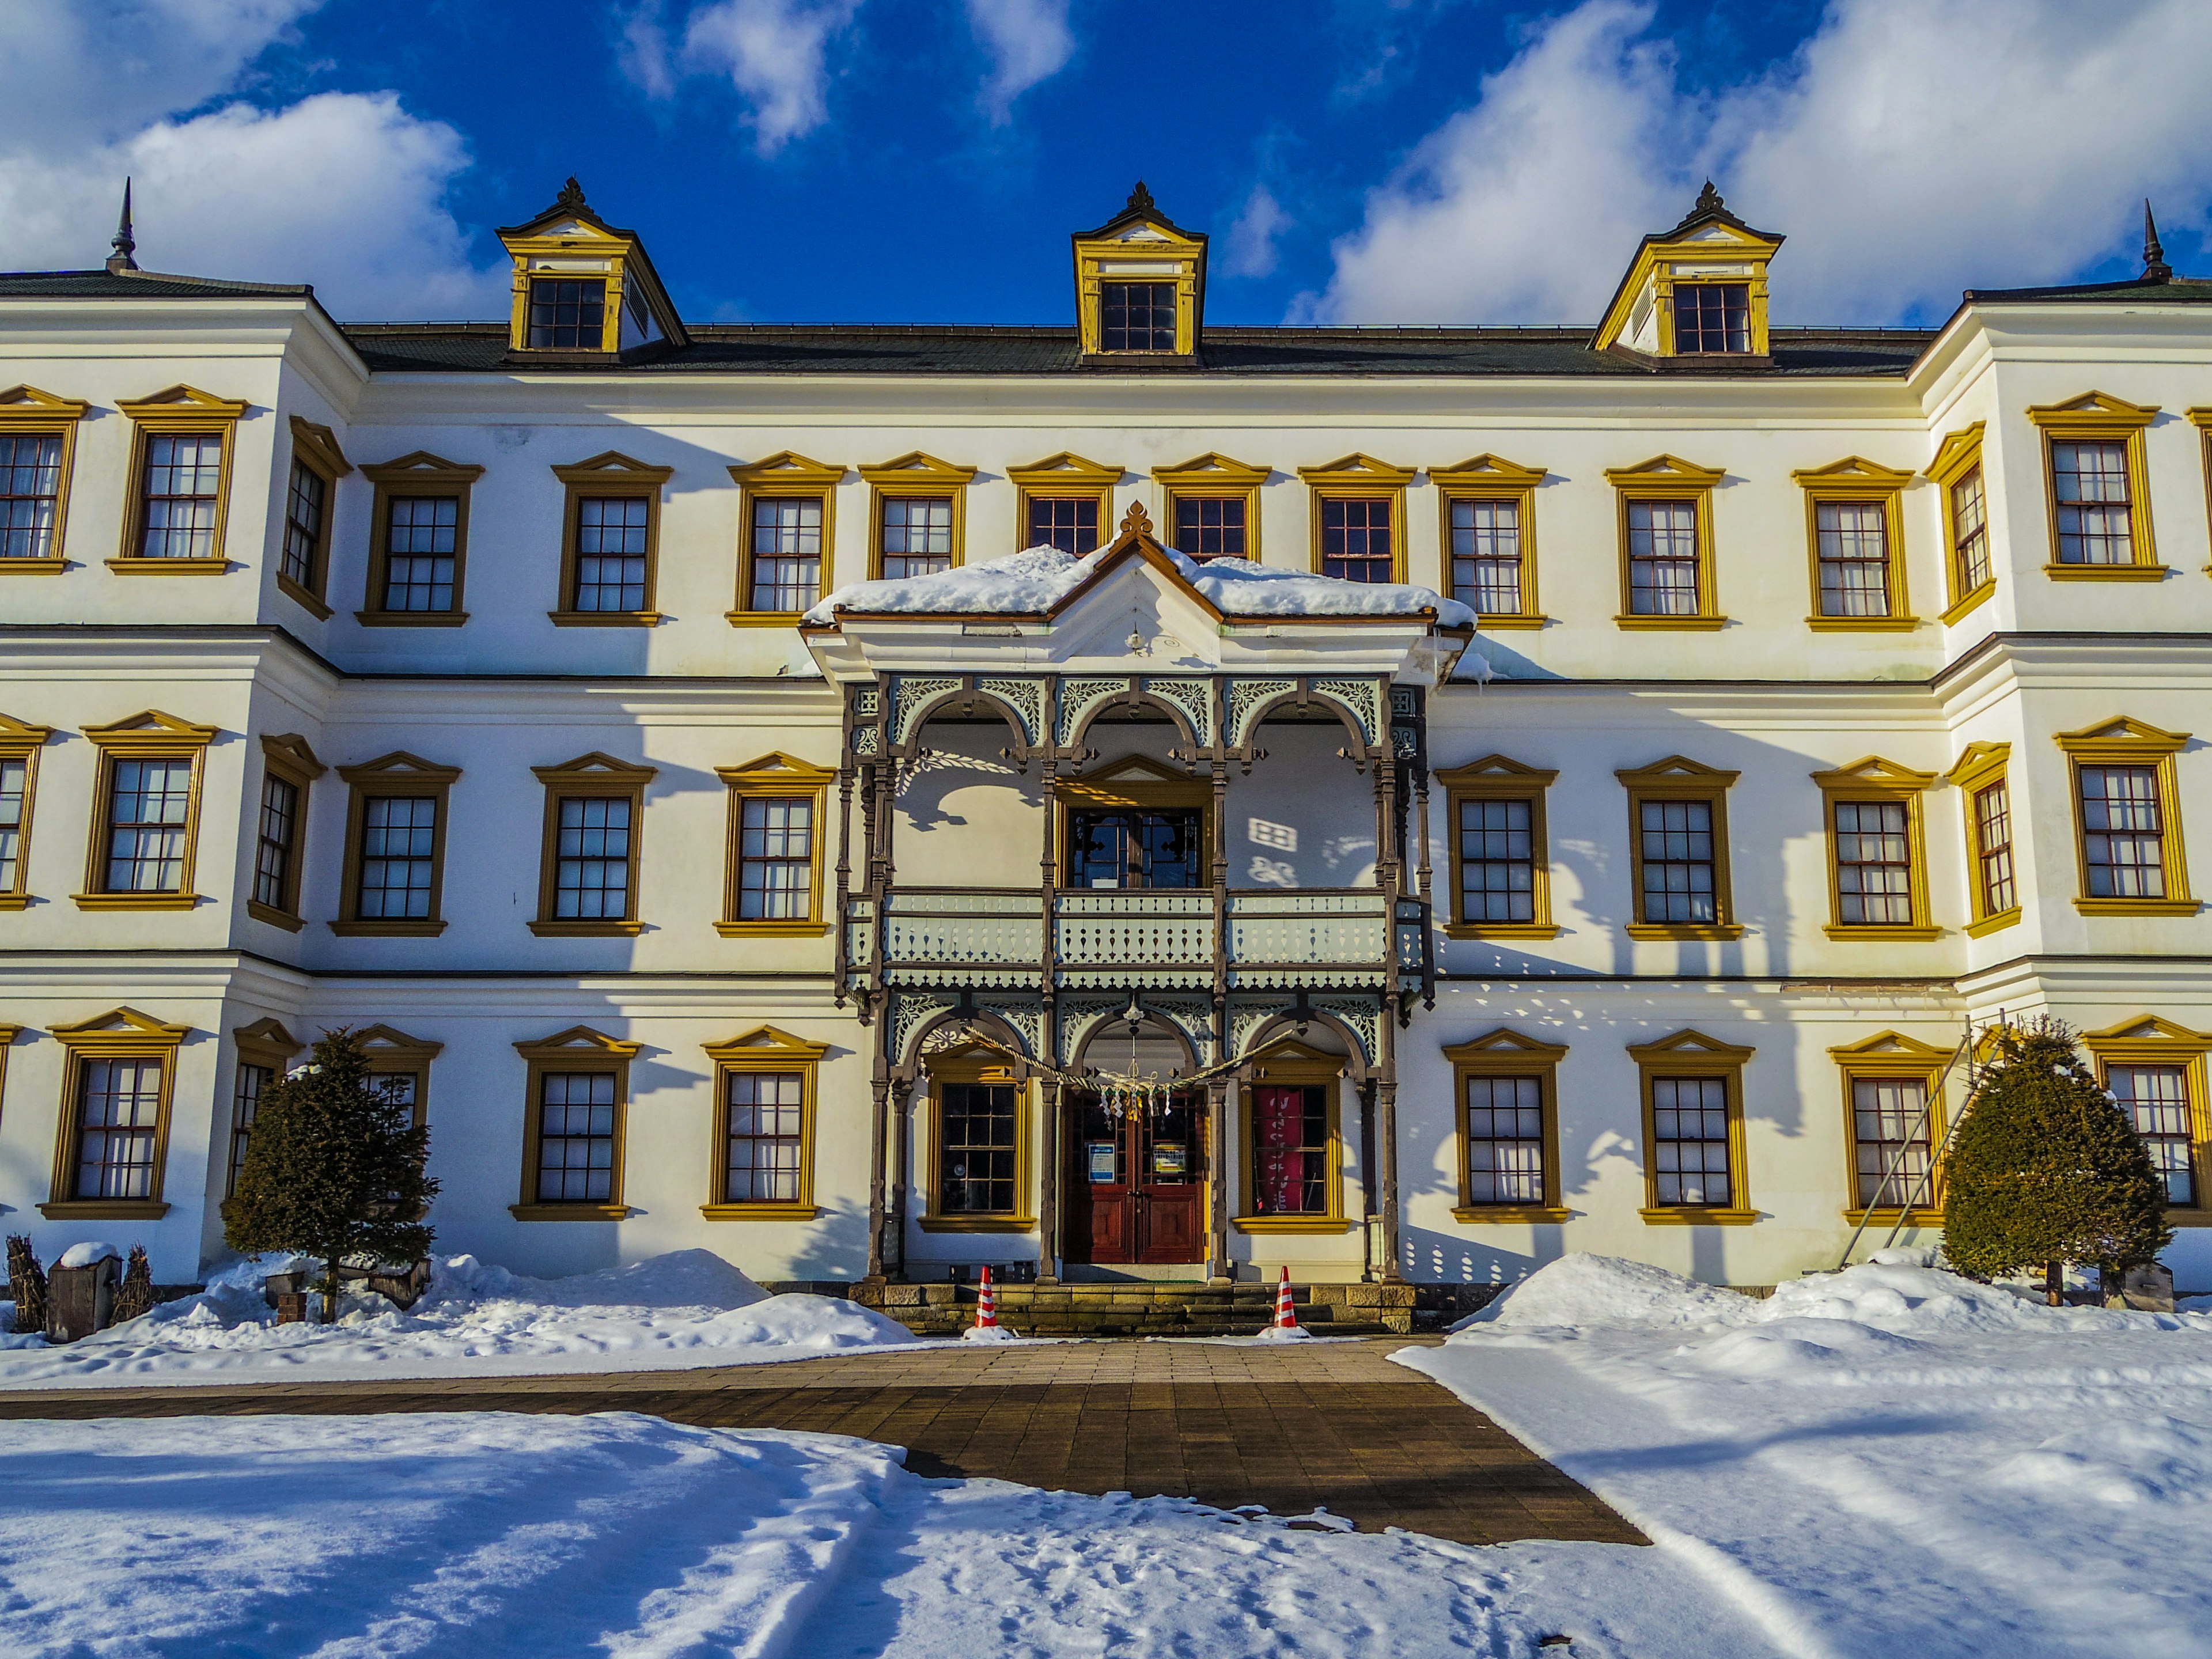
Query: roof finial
{"x":125,"y":244}
{"x":1709,"y":200}
{"x":571,"y":196}
{"x":2155,"y":268}
{"x":1141,"y":199}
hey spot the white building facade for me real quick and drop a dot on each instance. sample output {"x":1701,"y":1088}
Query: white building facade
{"x":1639,"y":756}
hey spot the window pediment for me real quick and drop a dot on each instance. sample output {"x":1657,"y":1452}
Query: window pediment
{"x":2095,"y":411}
{"x":918,"y":469}
{"x":777,"y":768}
{"x":1503,"y":1044}
{"x":1212,"y":468}
{"x":26,"y":405}
{"x":2146,"y":1032}
{"x":596,"y":768}
{"x":787,"y":466}
{"x":1691,"y":1046}
{"x":119,"y":1028}
{"x":612,"y":466}
{"x":1874,"y":770}
{"x":1487,"y":472}
{"x":1665,"y":472}
{"x":579,"y":1043}
{"x":399,"y":766}
{"x":385,"y":1045}
{"x":767,"y":1043}
{"x":1890,"y":1046}
{"x":151,"y":729}
{"x":1359,"y":469}
{"x":1495,"y":767}
{"x":186,"y":403}
{"x":1678,"y":770}
{"x":2124,"y":734}
{"x":1065,"y":468}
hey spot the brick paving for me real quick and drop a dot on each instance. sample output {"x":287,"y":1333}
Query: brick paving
{"x":1331,"y":1424}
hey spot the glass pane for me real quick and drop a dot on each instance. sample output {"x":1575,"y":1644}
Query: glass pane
{"x":30,"y":488}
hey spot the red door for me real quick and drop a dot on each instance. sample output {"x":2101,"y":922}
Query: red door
{"x":1135,"y":1187}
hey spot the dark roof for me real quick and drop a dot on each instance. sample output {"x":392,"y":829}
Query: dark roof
{"x":2178,"y":290}
{"x":883,"y":349}
{"x":138,"y":285}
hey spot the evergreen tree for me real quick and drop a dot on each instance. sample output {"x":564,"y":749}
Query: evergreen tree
{"x":2046,"y":1168}
{"x":334,"y":1169}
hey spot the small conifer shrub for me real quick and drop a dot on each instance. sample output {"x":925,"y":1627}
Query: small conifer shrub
{"x":2046,"y":1168}
{"x":334,"y":1169}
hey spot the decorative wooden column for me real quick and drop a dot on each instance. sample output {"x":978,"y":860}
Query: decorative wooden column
{"x":1048,"y":1185}
{"x":902,"y":1094}
{"x":1219,"y":1269}
{"x":880,"y":1093}
{"x":1386,"y":1139}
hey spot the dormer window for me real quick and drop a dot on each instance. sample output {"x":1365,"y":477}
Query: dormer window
{"x":567,"y":315}
{"x":1138,"y":317}
{"x":1712,"y":317}
{"x":582,"y":286}
{"x":1140,"y":287}
{"x":1694,"y":293}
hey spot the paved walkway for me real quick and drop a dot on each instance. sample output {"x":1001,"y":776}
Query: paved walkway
{"x":1333,"y":1424}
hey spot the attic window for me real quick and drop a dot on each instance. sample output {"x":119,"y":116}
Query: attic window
{"x":568,"y":314}
{"x":1712,"y":317}
{"x":1138,"y":316}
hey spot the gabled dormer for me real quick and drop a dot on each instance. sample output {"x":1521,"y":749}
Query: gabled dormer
{"x":1140,"y":287}
{"x":1696,"y":296}
{"x":583,"y":288}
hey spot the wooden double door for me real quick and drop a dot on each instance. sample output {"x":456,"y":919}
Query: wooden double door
{"x":1133,"y":1187}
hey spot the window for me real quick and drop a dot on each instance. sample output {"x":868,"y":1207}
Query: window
{"x":1486,"y":556}
{"x":179,"y":490}
{"x":1892,"y":1119}
{"x":978,"y":1149}
{"x":1712,"y":317}
{"x":1677,"y":827}
{"x":1856,"y":526}
{"x":303,"y":561}
{"x":774,"y":880}
{"x":30,"y":493}
{"x":1355,"y":539}
{"x":1065,"y":502}
{"x":1133,"y":848}
{"x":147,"y":817}
{"x":1211,"y":526}
{"x":1137,"y":316}
{"x":113,"y":1146}
{"x":303,"y":524}
{"x":19,"y":744}
{"x":764,"y":1154}
{"x":1358,"y":519}
{"x":787,"y":554}
{"x":395,"y":847}
{"x":2156,"y":1097}
{"x":787,"y":514}
{"x":609,"y":546}
{"x":418,"y":554}
{"x":1068,"y":523}
{"x":2129,"y":838}
{"x":568,"y":314}
{"x":917,"y":510}
{"x":181,"y":472}
{"x":1501,"y":884}
{"x":594,"y":811}
{"x":1876,"y":864}
{"x":279,"y":837}
{"x":1993,"y":848}
{"x":1662,"y":558}
{"x":37,"y":445}
{"x":1293,"y":1158}
{"x":764,"y":1138}
{"x":578,"y":1094}
{"x":289,"y":768}
{"x":1666,"y":544}
{"x":1508,"y":1132}
{"x":400,"y":1068}
{"x":2097,"y":489}
{"x":1969,"y":568}
{"x":1693,"y":1130}
{"x":917,"y":535}
{"x":1290,"y":1148}
{"x":1211,"y":505}
{"x":245,"y":1102}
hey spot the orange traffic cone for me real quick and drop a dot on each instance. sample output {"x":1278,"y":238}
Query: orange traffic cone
{"x":1286,"y":1318}
{"x":987,"y":1305}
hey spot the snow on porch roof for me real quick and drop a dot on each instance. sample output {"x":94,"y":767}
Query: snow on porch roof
{"x":1041,"y":581}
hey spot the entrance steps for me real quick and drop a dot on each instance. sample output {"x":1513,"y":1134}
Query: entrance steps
{"x":1134,"y":1308}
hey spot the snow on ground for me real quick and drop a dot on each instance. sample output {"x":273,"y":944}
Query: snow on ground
{"x":688,"y":1308}
{"x":491,"y":1533}
{"x":1887,"y":1461}
{"x":1032,"y":582}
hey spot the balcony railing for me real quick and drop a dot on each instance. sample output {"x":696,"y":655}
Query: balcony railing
{"x":1270,"y":938}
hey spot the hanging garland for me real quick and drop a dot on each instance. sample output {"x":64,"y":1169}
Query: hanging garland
{"x":1120,"y":1092}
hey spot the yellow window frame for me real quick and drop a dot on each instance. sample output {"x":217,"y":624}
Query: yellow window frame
{"x":784,"y":475}
{"x":1294,"y":1065}
{"x":1680,"y":778}
{"x":1505,"y":1053}
{"x":2099,"y":417}
{"x":765,"y":1048}
{"x":772,"y":776}
{"x":1959,"y":454}
{"x":1495,"y":777}
{"x":1669,"y":478}
{"x":1855,"y":480}
{"x":1212,"y":476}
{"x":609,"y":476}
{"x":286,"y":756}
{"x":916,"y":473}
{"x":1982,"y":765}
{"x":398,"y":775}
{"x":2152,"y":1040}
{"x":1064,"y":477}
{"x":316,"y":448}
{"x":419,"y":474}
{"x":1872,"y":779}
{"x":595,"y":776}
{"x":1357,"y":476}
{"x":180,"y":411}
{"x":2125,"y":741}
{"x":975,"y":1065}
{"x":1893,"y":1055}
{"x":580,"y":1049}
{"x":1693,"y":1054}
{"x":1491,"y":478}
{"x":22,"y":741}
{"x":152,"y":735}
{"x":28,"y":412}
{"x":119,"y":1034}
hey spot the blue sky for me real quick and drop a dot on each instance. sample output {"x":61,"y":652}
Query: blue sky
{"x":1420,"y":161}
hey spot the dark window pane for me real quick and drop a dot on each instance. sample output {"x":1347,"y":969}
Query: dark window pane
{"x":120,"y":1108}
{"x":2122,"y":832}
{"x":183,"y":481}
{"x":776,"y":858}
{"x":1068,"y":523}
{"x":1211,"y":526}
{"x":1678,"y":868}
{"x":2095,"y":521}
{"x":420,"y":536}
{"x":976,"y":1158}
{"x":2157,"y":1098}
{"x":576,"y":1138}
{"x":148,"y":815}
{"x":592,"y":853}
{"x":1712,"y":317}
{"x":1290,"y":1150}
{"x":1889,"y":1125}
{"x":1355,"y":538}
{"x":1874,"y":864}
{"x":399,"y":846}
{"x":1993,"y":847}
{"x":303,"y":525}
{"x":610,"y":551}
{"x":1134,"y":849}
{"x":1504,"y":1140}
{"x":1498,"y":860}
{"x":1138,"y":316}
{"x":916,"y":535}
{"x":1969,"y":531}
{"x":30,"y":489}
{"x":280,"y":830}
{"x":1690,"y":1140}
{"x":568,"y":314}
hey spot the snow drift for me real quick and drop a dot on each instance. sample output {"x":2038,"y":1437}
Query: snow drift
{"x":685,"y":1309}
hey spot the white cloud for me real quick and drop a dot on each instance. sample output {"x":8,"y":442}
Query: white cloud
{"x":1029,"y":41}
{"x":343,"y":190}
{"x":1909,"y":148}
{"x":1248,"y":249}
{"x":774,"y":54}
